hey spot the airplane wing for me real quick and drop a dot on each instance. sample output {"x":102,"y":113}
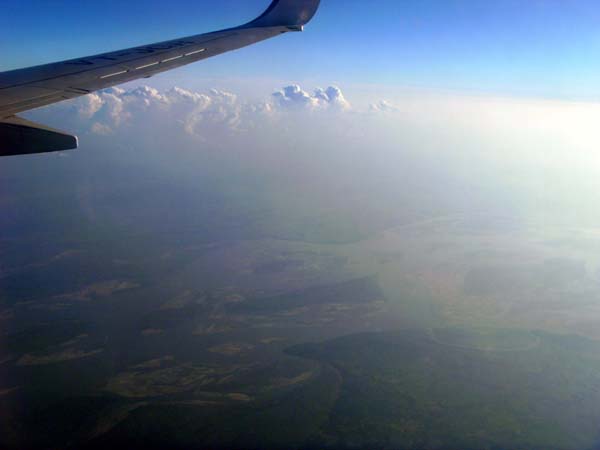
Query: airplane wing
{"x":33,"y":87}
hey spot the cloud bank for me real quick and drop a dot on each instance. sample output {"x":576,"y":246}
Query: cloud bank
{"x":488,"y":151}
{"x":197,"y":114}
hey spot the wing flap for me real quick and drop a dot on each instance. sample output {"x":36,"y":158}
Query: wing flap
{"x":22,"y":137}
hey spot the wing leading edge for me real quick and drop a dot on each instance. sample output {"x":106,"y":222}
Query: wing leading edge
{"x":25,"y":89}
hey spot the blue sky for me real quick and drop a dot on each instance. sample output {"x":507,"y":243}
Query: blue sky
{"x":535,"y":48}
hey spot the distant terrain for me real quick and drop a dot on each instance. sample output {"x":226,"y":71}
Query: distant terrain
{"x":181,"y":310}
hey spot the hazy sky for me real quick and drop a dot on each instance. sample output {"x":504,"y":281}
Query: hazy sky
{"x":463,"y":128}
{"x":533,"y":48}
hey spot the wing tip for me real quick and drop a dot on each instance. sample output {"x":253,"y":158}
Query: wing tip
{"x":293,"y":14}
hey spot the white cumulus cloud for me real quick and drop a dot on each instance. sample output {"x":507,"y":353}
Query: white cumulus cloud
{"x":384,"y":106}
{"x":212,"y":115}
{"x":294,"y":97}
